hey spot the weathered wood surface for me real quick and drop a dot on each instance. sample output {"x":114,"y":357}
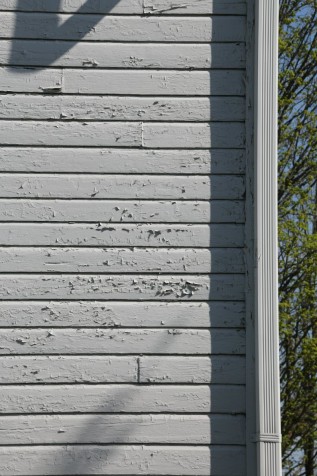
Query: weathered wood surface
{"x":225,"y":187}
{"x":127,"y":134}
{"x":91,"y":369}
{"x":128,"y":211}
{"x":122,"y":285}
{"x":219,"y":369}
{"x":92,"y":27}
{"x":30,"y":399}
{"x":114,"y":460}
{"x":123,"y":429}
{"x":103,"y":234}
{"x":226,"y":287}
{"x":121,"y":341}
{"x":117,"y":108}
{"x":29,"y":80}
{"x":121,"y":314}
{"x":124,"y":82}
{"x":116,"y":160}
{"x":155,"y":7}
{"x":121,"y":55}
{"x":121,"y":260}
{"x":69,"y":369}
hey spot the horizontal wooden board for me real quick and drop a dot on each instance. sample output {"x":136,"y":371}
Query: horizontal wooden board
{"x":117,"y":314}
{"x":18,"y":399}
{"x":123,"y":82}
{"x":30,"y":80}
{"x":225,"y":187}
{"x":219,"y":287}
{"x":127,"y":134}
{"x":114,"y":460}
{"x":195,"y":7}
{"x":158,"y":83}
{"x":122,"y":429}
{"x":116,"y":160}
{"x":121,"y":260}
{"x":198,"y":135}
{"x":118,"y":108}
{"x":69,"y":369}
{"x":68,"y":54}
{"x":159,"y":7}
{"x":90,"y":27}
{"x":92,"y":369}
{"x":121,"y":341}
{"x":137,"y":211}
{"x":219,"y":369}
{"x":103,"y":234}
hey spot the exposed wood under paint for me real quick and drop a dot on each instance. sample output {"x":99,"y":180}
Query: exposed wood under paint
{"x":116,"y":211}
{"x":126,"y":287}
{"x":103,"y":235}
{"x":121,"y":260}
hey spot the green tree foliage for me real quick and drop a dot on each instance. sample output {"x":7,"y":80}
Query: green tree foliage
{"x":298,"y":234}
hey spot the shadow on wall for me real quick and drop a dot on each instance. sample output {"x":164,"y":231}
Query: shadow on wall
{"x":48,"y":27}
{"x":44,"y":54}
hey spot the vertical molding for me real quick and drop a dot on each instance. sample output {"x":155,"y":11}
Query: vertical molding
{"x":267,"y":437}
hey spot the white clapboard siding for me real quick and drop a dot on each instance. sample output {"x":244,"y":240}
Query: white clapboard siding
{"x":92,"y":27}
{"x":92,"y":369}
{"x":121,"y":260}
{"x":219,"y":369}
{"x":121,"y":314}
{"x":122,"y":230}
{"x":127,"y":134}
{"x":121,"y":55}
{"x":122,"y":186}
{"x":165,"y":7}
{"x":69,"y":369}
{"x":107,"y":429}
{"x":116,"y":160}
{"x":30,"y":399}
{"x":129,"y":211}
{"x":112,"y":460}
{"x":121,"y":341}
{"x":105,"y":234}
{"x":117,"y":108}
{"x":124,"y":82}
{"x":226,"y":287}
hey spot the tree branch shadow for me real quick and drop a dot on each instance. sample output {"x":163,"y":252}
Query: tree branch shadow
{"x":52,"y":47}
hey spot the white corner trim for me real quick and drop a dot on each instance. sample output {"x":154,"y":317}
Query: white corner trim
{"x":268,"y":440}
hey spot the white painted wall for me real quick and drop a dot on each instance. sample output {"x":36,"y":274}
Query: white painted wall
{"x":122,"y":285}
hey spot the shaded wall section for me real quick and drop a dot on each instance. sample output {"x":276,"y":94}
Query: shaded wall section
{"x":122,"y":278}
